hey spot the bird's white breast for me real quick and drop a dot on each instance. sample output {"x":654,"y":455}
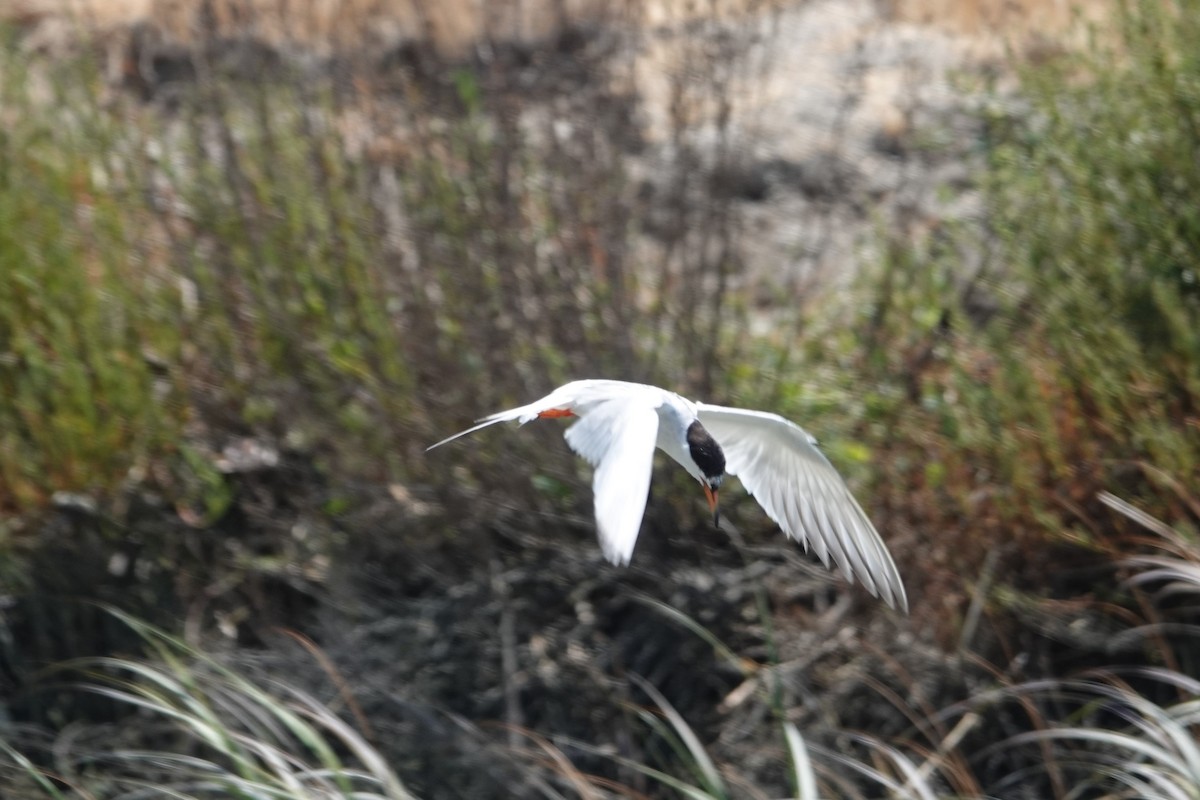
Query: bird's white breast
{"x":675,"y":416}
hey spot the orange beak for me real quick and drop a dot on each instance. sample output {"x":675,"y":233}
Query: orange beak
{"x":711,"y":494}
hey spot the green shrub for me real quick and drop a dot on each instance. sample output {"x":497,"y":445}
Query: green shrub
{"x":1097,"y":205}
{"x":1094,"y":197}
{"x":80,"y":401}
{"x":993,"y":407}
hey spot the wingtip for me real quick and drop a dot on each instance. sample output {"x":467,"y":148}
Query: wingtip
{"x":891,"y":592}
{"x":613,"y":554}
{"x":894,"y":595}
{"x":615,"y":557}
{"x":485,"y":422}
{"x":442,"y":442}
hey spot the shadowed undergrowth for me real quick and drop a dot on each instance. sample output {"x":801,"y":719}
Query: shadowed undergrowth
{"x":206,"y":728}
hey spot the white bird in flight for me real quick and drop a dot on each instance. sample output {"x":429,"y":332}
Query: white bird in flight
{"x":778,"y":463}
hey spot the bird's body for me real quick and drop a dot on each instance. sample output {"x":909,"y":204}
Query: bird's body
{"x":619,"y":425}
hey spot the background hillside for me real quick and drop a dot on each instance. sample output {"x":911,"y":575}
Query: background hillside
{"x":256,"y":256}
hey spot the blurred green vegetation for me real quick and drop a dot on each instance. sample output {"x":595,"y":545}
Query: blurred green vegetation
{"x":280,"y":258}
{"x":295,"y":258}
{"x":82,"y":318}
{"x":996,"y":402}
{"x":351,"y":278}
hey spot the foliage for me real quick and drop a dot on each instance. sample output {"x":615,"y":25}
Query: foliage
{"x":352,"y":267}
{"x":998,"y":402}
{"x":1120,"y":731}
{"x":84,"y":318}
{"x":205,"y":730}
{"x":1095,"y":200}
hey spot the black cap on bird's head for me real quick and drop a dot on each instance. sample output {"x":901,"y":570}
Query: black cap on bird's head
{"x":710,"y":458}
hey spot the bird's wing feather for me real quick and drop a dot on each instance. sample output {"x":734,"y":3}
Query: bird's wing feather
{"x":618,"y":437}
{"x":781,"y":466}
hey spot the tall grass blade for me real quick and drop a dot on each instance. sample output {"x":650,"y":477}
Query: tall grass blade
{"x":706,"y":768}
{"x":803,"y":776}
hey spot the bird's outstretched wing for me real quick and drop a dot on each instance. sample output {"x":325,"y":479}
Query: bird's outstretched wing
{"x":781,"y":466}
{"x":618,"y":437}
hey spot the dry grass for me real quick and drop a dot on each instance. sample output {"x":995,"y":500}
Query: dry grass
{"x":451,"y":27}
{"x":1004,"y":17}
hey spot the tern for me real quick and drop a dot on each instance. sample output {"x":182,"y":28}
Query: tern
{"x":619,"y":424}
